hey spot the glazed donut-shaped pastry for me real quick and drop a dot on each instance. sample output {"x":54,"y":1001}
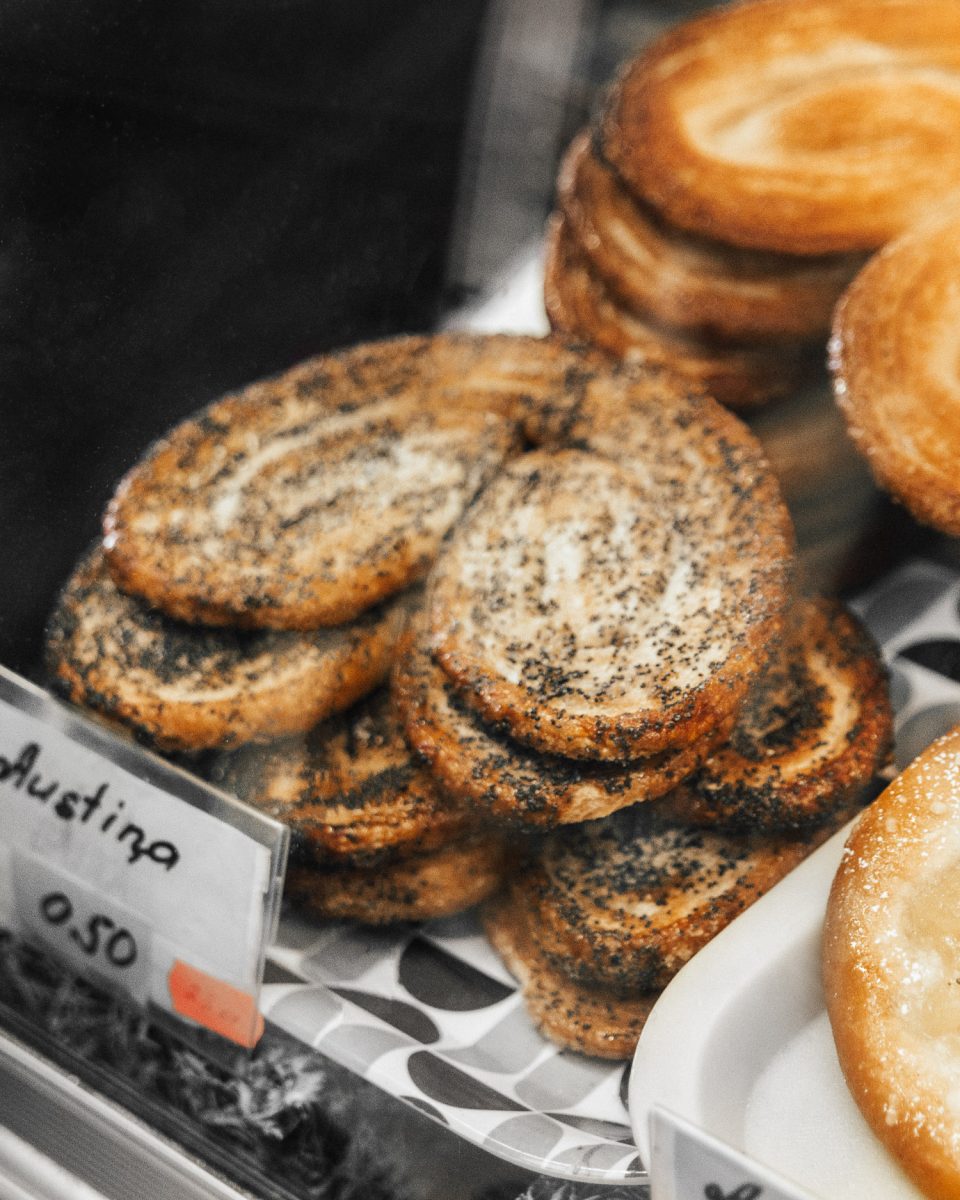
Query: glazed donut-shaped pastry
{"x":691,"y":283}
{"x":890,"y":967}
{"x":740,"y":375}
{"x":796,"y":125}
{"x":894,"y":359}
{"x":613,"y":593}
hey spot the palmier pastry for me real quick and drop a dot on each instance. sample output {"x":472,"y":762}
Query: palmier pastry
{"x":616,"y":600}
{"x":814,"y":732}
{"x":349,"y":790}
{"x":688,"y":282}
{"x":417,"y":887}
{"x":626,"y":901}
{"x":796,"y":125}
{"x":589,"y":1019}
{"x":305,"y":499}
{"x":890,"y":967}
{"x":498,"y":776}
{"x":894,"y":359}
{"x":740,"y":375}
{"x":183,"y":687}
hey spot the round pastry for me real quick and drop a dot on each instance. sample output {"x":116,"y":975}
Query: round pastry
{"x":806,"y":126}
{"x":415,"y":888}
{"x":626,"y":901}
{"x":894,"y":359}
{"x":607,"y":602}
{"x":685,"y":281}
{"x":740,"y":375}
{"x":890,"y":967}
{"x":496,"y":775}
{"x":809,"y":741}
{"x":587,"y":1019}
{"x":349,"y":790}
{"x":183,"y":687}
{"x":305,"y":499}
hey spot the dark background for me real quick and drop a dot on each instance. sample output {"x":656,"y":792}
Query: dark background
{"x":193,"y":195}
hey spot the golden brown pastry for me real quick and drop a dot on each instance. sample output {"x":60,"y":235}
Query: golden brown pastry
{"x":805,"y":126}
{"x":686,"y":282}
{"x":185,"y":687}
{"x":305,"y":499}
{"x":578,"y":303}
{"x":350,"y":790}
{"x":894,"y":361}
{"x":417,"y":887}
{"x":890,"y":967}
{"x":617,"y":599}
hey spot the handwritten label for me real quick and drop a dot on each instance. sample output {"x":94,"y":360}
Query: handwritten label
{"x":125,"y":865}
{"x":689,"y":1164}
{"x":96,"y":934}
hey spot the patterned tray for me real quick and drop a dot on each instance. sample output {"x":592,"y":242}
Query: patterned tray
{"x":430,"y":1015}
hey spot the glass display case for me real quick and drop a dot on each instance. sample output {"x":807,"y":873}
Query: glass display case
{"x":195,"y":197}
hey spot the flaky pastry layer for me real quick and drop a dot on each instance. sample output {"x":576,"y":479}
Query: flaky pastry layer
{"x":686,"y":282}
{"x":896,"y":369}
{"x":578,"y":302}
{"x":805,"y":126}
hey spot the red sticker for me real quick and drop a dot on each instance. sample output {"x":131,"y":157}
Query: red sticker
{"x":215,"y":1005}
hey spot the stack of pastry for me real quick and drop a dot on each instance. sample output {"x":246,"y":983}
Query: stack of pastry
{"x":610,"y":910}
{"x":256,"y":573}
{"x":745,"y":324}
{"x":606,"y":566}
{"x":742,"y":168}
{"x":743,"y":165}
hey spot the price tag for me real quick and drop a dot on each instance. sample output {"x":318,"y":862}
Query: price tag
{"x":686,"y":1163}
{"x":135,"y":872}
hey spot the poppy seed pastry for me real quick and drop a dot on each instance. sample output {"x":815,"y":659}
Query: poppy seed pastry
{"x":812,"y":737}
{"x":504,"y":780}
{"x":350,"y":790}
{"x":190,"y":688}
{"x":305,"y":499}
{"x":624,"y":902}
{"x":616,"y":599}
{"x":588,"y":1019}
{"x":416,"y":887}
